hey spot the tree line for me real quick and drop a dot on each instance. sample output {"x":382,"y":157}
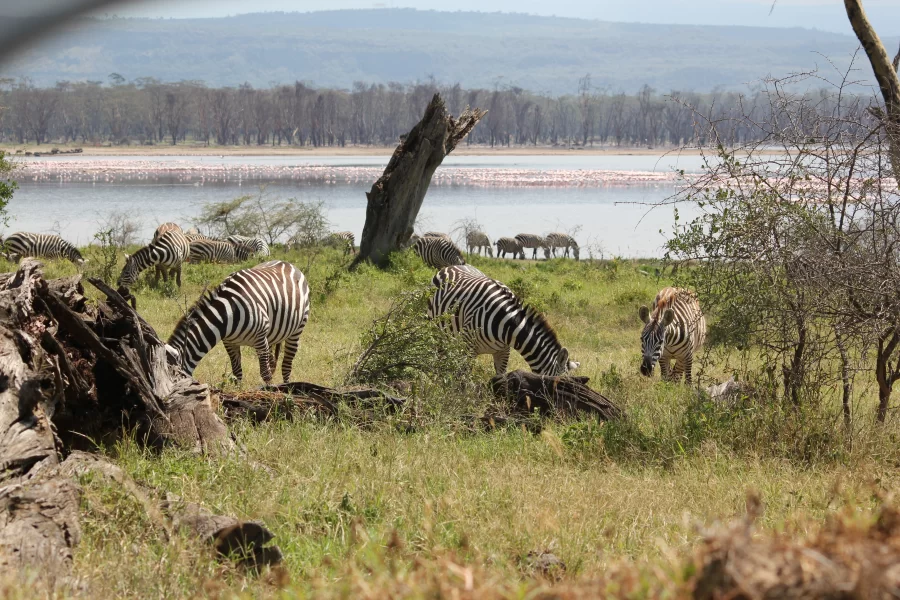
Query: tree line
{"x":147,"y":111}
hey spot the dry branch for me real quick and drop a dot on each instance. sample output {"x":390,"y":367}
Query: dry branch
{"x":562,"y":396}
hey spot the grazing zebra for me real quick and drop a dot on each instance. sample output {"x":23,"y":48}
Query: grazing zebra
{"x":193,"y":236}
{"x":167,"y":253}
{"x":674,"y":330}
{"x":562,"y":240}
{"x":262,"y":306}
{"x":344,"y":239}
{"x":506,"y":244}
{"x":207,"y":250}
{"x":438,"y":252}
{"x":245,"y":247}
{"x":529,"y":240}
{"x":165,"y":228}
{"x":494,"y":320}
{"x":40,"y":245}
{"x":480,"y":242}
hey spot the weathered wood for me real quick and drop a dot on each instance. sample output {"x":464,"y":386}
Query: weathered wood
{"x":563,"y":396}
{"x":395,"y":199}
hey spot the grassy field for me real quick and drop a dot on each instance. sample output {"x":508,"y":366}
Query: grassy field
{"x":445,"y":512}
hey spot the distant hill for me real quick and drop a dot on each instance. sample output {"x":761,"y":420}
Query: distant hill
{"x":337,"y":48}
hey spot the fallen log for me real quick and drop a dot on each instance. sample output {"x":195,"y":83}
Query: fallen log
{"x":565,"y":396}
{"x":72,"y":372}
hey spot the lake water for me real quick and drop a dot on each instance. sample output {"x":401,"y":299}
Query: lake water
{"x":506,"y":194}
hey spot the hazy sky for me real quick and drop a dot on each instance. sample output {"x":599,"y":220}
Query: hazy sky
{"x":822,"y":14}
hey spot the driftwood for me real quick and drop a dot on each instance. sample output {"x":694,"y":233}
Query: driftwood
{"x":395,"y":199}
{"x":281,"y":401}
{"x":563,"y":396}
{"x":71,"y":372}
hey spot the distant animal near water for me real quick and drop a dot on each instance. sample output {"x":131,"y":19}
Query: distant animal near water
{"x":263,"y":306}
{"x":167,"y":253}
{"x":478,"y":241}
{"x":165,"y":228}
{"x":245,"y":247}
{"x":209,"y":250}
{"x":530,"y":240}
{"x":562,"y":240}
{"x":40,"y":245}
{"x":512,"y":245}
{"x":494,"y":320}
{"x":674,"y":330}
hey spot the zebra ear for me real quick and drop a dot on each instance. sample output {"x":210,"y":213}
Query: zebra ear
{"x":668,"y":317}
{"x":644,"y":313}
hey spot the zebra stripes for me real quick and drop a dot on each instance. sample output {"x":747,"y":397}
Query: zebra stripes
{"x":529,"y":240}
{"x":436,"y":234}
{"x":506,"y":244}
{"x":40,"y":245}
{"x":438,"y":252}
{"x":495,"y":320}
{"x":263,"y":306}
{"x":208,"y":250}
{"x":480,"y":242}
{"x":166,"y":253}
{"x":562,"y":240}
{"x":165,"y":228}
{"x":194,"y":236}
{"x":245,"y":247}
{"x":673,"y":331}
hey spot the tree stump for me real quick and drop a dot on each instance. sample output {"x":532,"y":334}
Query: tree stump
{"x":395,"y":199}
{"x":563,"y":396}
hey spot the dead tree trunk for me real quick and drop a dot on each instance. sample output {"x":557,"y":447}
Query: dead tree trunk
{"x":885,"y":72}
{"x":70,"y":372}
{"x":395,"y":199}
{"x":564,"y":396}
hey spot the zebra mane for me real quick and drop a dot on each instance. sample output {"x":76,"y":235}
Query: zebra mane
{"x":185,"y":321}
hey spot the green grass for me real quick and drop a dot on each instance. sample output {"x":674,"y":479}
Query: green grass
{"x":369,"y":511}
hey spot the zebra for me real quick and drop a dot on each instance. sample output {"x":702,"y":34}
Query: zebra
{"x":193,"y":236}
{"x":263,"y":306}
{"x":41,"y":245}
{"x":562,"y":240}
{"x":494,"y":320}
{"x":529,"y":240}
{"x":506,"y":244}
{"x":208,"y":250}
{"x":164,"y":228}
{"x":167,"y":253}
{"x":674,"y":330}
{"x":342,"y":238}
{"x":480,"y":242}
{"x":438,"y":252}
{"x":245,"y":247}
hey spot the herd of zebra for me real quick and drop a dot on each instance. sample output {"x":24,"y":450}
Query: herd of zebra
{"x":267,"y":306}
{"x":438,"y":250}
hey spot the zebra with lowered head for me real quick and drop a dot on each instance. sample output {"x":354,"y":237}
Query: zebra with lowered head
{"x":438,"y":252}
{"x":562,"y":240}
{"x":40,"y":245}
{"x":342,"y":239}
{"x":529,"y":240}
{"x":263,"y":306}
{"x":167,"y":253}
{"x":674,"y":330}
{"x":245,"y":247}
{"x":507,"y":244}
{"x":480,"y":242}
{"x":494,"y":320}
{"x":209,"y":250}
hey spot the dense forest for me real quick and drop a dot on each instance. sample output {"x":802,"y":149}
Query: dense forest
{"x":148,"y":112}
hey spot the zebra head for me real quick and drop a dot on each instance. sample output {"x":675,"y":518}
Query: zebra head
{"x":575,"y":252}
{"x":653,"y":338}
{"x":130,"y":272}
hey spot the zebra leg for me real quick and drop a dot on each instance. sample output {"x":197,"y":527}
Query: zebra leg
{"x":290,"y":351}
{"x":664,"y":368}
{"x":178,"y":275}
{"x":688,"y":367}
{"x":234,"y":355}
{"x":265,"y":358}
{"x":501,"y":361}
{"x":677,"y":371}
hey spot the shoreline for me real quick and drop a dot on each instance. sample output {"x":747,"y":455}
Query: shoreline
{"x":14,"y":151}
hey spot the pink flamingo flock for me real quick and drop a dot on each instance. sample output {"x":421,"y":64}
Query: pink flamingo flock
{"x":113,"y":171}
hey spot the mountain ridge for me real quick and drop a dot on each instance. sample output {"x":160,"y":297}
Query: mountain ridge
{"x":337,"y":48}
